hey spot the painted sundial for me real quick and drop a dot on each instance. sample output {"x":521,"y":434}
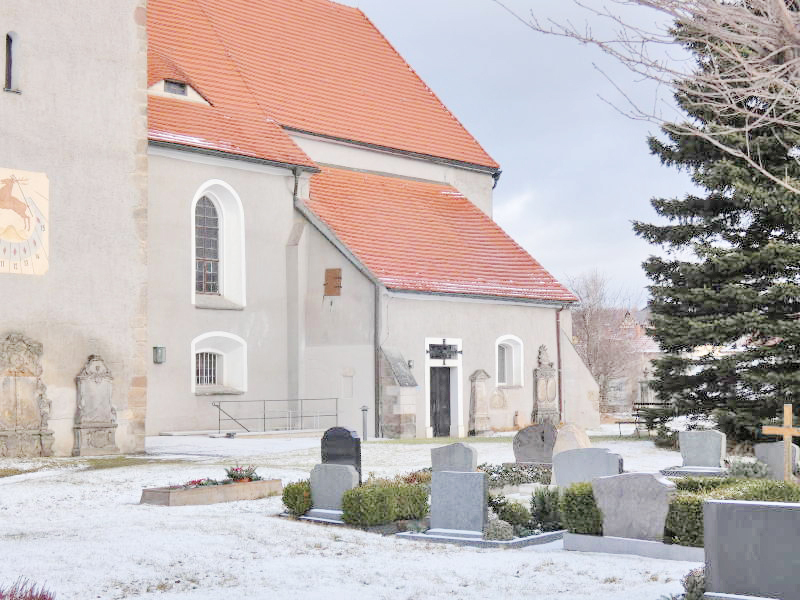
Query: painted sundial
{"x":24,"y":224}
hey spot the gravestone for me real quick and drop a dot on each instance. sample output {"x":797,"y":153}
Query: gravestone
{"x":545,"y":390}
{"x":751,"y":549}
{"x":341,"y":446}
{"x":24,"y":406}
{"x":772,"y":454}
{"x":458,"y":504}
{"x":571,"y":437}
{"x":534,"y":444}
{"x":634,"y":505}
{"x":703,"y":454}
{"x":479,"y":403}
{"x":455,"y":457}
{"x":584,"y":464}
{"x":328,"y":483}
{"x":95,"y":418}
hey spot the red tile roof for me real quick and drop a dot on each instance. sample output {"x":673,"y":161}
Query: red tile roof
{"x":426,"y":237}
{"x":183,"y":46}
{"x":310,"y":65}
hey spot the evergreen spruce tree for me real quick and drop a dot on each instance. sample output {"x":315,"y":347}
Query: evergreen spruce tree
{"x":726,"y":298}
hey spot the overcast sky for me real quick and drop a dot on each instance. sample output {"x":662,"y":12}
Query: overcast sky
{"x":575,"y":171}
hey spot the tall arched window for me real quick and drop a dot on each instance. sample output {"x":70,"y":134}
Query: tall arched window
{"x":11,"y":64}
{"x":509,"y":353}
{"x":206,"y":239}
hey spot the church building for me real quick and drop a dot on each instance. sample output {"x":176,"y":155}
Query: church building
{"x":254,"y":215}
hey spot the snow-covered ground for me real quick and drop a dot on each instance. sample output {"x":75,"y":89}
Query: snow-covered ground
{"x":81,"y":532}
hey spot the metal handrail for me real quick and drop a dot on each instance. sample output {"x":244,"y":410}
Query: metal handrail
{"x":288,"y":414}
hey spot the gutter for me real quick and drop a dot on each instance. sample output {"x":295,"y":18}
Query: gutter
{"x":232,"y":156}
{"x":558,"y":362}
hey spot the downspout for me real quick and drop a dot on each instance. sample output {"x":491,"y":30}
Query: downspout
{"x":558,"y":362}
{"x":377,"y":343}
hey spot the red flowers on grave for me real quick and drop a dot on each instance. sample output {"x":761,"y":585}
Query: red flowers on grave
{"x":239,"y":474}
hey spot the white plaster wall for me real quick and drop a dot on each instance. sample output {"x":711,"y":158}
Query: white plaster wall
{"x":581,"y":392}
{"x":80,"y":119}
{"x":266,"y":196}
{"x":338,"y":340}
{"x":475,"y":185}
{"x":407,"y":320}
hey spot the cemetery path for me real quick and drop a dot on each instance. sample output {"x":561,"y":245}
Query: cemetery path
{"x":82,"y":533}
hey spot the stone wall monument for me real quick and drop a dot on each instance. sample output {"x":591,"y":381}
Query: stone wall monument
{"x":24,"y":407}
{"x":545,"y":391}
{"x":95,"y":418}
{"x":479,"y":403}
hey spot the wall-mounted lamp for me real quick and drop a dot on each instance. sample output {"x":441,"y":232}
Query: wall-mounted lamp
{"x":411,"y":364}
{"x":159,"y":354}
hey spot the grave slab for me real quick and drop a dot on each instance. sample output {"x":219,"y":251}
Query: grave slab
{"x":328,"y":483}
{"x":584,"y":464}
{"x":455,"y":457}
{"x":702,"y":448}
{"x":212,"y":494}
{"x":634,"y":505}
{"x":458,"y":502}
{"x":751,"y":548}
{"x":771,"y":453}
{"x":534,"y":444}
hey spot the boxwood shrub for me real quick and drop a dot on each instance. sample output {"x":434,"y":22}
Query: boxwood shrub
{"x":380,"y":502}
{"x":579,"y":512}
{"x":297,"y":497}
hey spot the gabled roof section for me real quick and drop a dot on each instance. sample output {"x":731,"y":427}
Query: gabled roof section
{"x":427,"y":237}
{"x":314,"y":66}
{"x":182,"y":45}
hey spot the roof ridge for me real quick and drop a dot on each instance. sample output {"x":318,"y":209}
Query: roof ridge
{"x":427,"y":87}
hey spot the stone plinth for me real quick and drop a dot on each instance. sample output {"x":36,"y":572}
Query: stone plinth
{"x":455,"y":457}
{"x":95,"y":419}
{"x":458,"y":503}
{"x":212,"y":494}
{"x":751,"y":548}
{"x":535,"y":443}
{"x":584,"y":465}
{"x":634,"y":505}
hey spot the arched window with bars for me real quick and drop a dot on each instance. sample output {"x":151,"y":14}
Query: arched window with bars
{"x":207,"y":254}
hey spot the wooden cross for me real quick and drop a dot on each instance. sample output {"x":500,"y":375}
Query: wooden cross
{"x":787,"y":431}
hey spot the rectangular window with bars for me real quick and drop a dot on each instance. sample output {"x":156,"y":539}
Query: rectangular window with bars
{"x":207,"y":369}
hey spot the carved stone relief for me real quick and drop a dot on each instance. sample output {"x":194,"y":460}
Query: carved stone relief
{"x":24,"y":407}
{"x":479,"y":403}
{"x":95,"y":418}
{"x":545,"y":390}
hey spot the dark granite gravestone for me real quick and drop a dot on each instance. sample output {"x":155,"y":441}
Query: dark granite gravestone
{"x":534,"y":444}
{"x":341,"y":446}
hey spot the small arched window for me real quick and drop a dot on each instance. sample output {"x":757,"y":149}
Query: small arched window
{"x":11,"y":65}
{"x":206,"y":239}
{"x":509,"y":361}
{"x":220,"y":364}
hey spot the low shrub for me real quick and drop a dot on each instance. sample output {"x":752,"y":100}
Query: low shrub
{"x":502,"y":475}
{"x":702,"y":484}
{"x":515,"y":513}
{"x":496,"y":502}
{"x":695,"y":584}
{"x":684,"y":523}
{"x":411,"y":501}
{"x":666,"y":438}
{"x":25,"y":590}
{"x":579,"y":511}
{"x":748,"y":468}
{"x":497,"y":529}
{"x":368,"y":505}
{"x":421,"y":476}
{"x":545,"y":512}
{"x":297,"y":497}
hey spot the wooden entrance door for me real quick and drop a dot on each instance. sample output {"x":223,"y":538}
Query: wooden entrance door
{"x":440,"y":401}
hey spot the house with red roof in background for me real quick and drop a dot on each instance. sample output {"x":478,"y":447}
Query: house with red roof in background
{"x":290,"y":218}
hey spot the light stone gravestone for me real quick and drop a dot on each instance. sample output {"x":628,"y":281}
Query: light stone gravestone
{"x":703,"y":453}
{"x":328,"y":483}
{"x":479,"y":402}
{"x":787,"y":432}
{"x":458,"y":504}
{"x":584,"y":464}
{"x":571,"y":437}
{"x":95,"y":418}
{"x":456,"y":457}
{"x":24,"y":406}
{"x":633,"y":505}
{"x":751,"y":549}
{"x":545,"y":390}
{"x":772,"y":454}
{"x":535,"y":443}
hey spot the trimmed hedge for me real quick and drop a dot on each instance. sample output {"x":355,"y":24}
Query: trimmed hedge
{"x":579,"y":512}
{"x":381,"y":502}
{"x":545,"y":513}
{"x":297,"y":497}
{"x":515,"y":513}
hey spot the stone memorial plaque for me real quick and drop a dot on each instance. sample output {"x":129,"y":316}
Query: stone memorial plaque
{"x":771,"y":453}
{"x":535,"y":443}
{"x":702,"y":448}
{"x":329,"y":482}
{"x":455,"y":457}
{"x":634,"y":505}
{"x":458,"y":503}
{"x":341,"y":446}
{"x":96,"y":418}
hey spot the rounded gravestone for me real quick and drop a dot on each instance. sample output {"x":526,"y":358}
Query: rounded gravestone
{"x":534,"y":444}
{"x":342,"y":446}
